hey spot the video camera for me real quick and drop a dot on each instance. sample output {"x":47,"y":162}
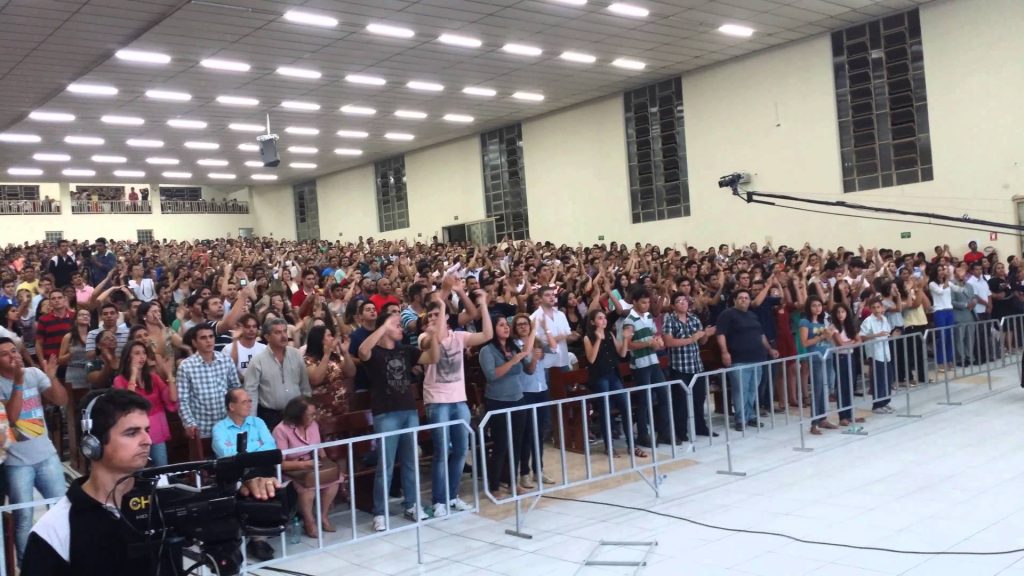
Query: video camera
{"x":213,"y":517}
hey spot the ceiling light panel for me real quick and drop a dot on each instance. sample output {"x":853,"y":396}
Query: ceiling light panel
{"x":348,"y":152}
{"x":298,"y":72}
{"x":109,"y":159}
{"x":528,"y":96}
{"x":631,"y":10}
{"x":249,"y":147}
{"x":158,"y":161}
{"x":174,"y":174}
{"x":78,"y":172}
{"x":264,"y":176}
{"x":411,"y":114}
{"x":242,"y":127}
{"x":479,"y":91}
{"x":202,"y":145}
{"x":122,"y":120}
{"x":302,"y":150}
{"x":186,"y":124}
{"x":84,"y":140}
{"x":19,"y":138}
{"x":129,"y":173}
{"x":629,"y":64}
{"x":51,"y":116}
{"x":358,"y":110}
{"x":352,"y":134}
{"x":92,"y":89}
{"x":459,"y":40}
{"x":366,"y":79}
{"x":463,"y":118}
{"x":51,"y":157}
{"x":24,"y":171}
{"x":399,"y":136}
{"x":228,"y":65}
{"x":221,"y":176}
{"x":736,"y":30}
{"x":296,"y":105}
{"x":578,"y":57}
{"x":425,"y":86}
{"x":302,"y":17}
{"x":238,"y":101}
{"x":168,"y":95}
{"x":522,"y":49}
{"x":572,"y":2}
{"x":144,"y":143}
{"x":389,"y":30}
{"x":302,"y":165}
{"x":254,"y":164}
{"x":212,"y":162}
{"x":302,"y":130}
{"x":143,"y":56}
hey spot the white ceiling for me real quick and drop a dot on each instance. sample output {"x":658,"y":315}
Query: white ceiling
{"x":46,"y":44}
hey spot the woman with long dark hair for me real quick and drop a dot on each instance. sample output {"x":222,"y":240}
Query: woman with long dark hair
{"x":137,"y":375}
{"x":816,"y":337}
{"x":845,"y":337}
{"x":604,"y":353}
{"x":332,"y":371}
{"x":72,"y":351}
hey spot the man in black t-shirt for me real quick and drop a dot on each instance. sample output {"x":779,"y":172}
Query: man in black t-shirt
{"x":366,"y":317}
{"x":388,"y":364}
{"x":742,"y":341}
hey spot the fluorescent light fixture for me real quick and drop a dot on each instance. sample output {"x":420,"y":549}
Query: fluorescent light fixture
{"x":144,"y":143}
{"x":425,"y":86}
{"x":411,"y":114}
{"x":364,"y":79}
{"x":457,"y":40}
{"x":348,"y":152}
{"x":157,"y":161}
{"x":736,"y":30}
{"x":202,"y":145}
{"x":129,"y":173}
{"x":143,"y":56}
{"x":254,"y":164}
{"x":177,"y":174}
{"x":51,"y":157}
{"x":95,"y":89}
{"x":478,"y":91}
{"x":264,"y":176}
{"x":229,"y":65}
{"x":105,"y":159}
{"x":302,"y":130}
{"x":352,"y":134}
{"x":24,"y":171}
{"x":212,"y":162}
{"x":464,"y":118}
{"x":249,"y":147}
{"x":308,"y":165}
{"x":389,"y":30}
{"x":623,"y":9}
{"x":300,"y":17}
{"x":302,"y":150}
{"x":240,"y":127}
{"x":578,"y":57}
{"x":629,"y":64}
{"x":78,"y":172}
{"x":295,"y":105}
{"x":84,"y":140}
{"x":522,"y":49}
{"x":17,"y":138}
{"x":298,"y":72}
{"x":122,"y":120}
{"x":237,"y":100}
{"x":530,"y":96}
{"x":400,"y":136}
{"x":358,"y":110}
{"x":168,"y":95}
{"x":188,"y":124}
{"x":52,"y":116}
{"x":221,"y":176}
{"x":573,"y":2}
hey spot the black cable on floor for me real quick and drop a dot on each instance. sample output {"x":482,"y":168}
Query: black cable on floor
{"x":787,"y":536}
{"x":283,"y":571}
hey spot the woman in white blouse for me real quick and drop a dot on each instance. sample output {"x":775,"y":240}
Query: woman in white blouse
{"x":941,"y":291}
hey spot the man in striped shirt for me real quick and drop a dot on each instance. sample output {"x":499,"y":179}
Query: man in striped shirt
{"x":51,"y":328}
{"x":644,"y":342}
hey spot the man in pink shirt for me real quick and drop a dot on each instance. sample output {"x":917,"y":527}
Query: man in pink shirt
{"x":82,"y":290}
{"x":444,"y":398}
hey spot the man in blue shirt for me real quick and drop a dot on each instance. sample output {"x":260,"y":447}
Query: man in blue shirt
{"x":258,"y":438}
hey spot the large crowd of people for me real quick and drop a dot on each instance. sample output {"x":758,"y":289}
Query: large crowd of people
{"x":269,"y":337}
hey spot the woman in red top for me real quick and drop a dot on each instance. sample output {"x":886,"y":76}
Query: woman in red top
{"x":138,"y":375}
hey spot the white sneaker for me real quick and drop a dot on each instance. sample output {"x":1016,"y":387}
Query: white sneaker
{"x":889,"y":410}
{"x":379,"y":524}
{"x":881,"y":410}
{"x":415,"y":514}
{"x":440,"y":510}
{"x":459,"y":506}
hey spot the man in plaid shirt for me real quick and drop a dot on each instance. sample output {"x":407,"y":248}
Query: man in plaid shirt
{"x":684,"y":335}
{"x":203,"y":380}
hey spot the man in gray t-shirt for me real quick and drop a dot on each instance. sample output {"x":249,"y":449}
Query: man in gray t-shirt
{"x":32,"y":461}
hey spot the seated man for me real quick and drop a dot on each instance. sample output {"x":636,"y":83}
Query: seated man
{"x":225,"y":435}
{"x":80,"y":535}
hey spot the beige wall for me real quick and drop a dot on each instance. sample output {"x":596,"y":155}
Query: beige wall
{"x":274,"y":211}
{"x":771,"y":114}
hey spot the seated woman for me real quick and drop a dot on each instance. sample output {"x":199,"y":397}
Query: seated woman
{"x":298,"y":427}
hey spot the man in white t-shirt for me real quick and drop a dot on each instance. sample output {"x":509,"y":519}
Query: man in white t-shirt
{"x":246,"y":346}
{"x":444,"y":398}
{"x":982,"y":311}
{"x":553,"y":330}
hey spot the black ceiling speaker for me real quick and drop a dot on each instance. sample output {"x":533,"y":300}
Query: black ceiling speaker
{"x":268,"y":147}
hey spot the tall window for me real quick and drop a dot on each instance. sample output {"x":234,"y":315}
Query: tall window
{"x":307,"y":211}
{"x":505,"y":182}
{"x":880,"y":97}
{"x":392,"y":199}
{"x":656,"y":145}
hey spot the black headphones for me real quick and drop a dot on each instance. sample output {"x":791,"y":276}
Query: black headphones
{"x":90,"y":446}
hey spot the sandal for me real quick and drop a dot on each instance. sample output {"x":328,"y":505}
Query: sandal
{"x":328,"y":527}
{"x":640,"y":452}
{"x":815,"y":430}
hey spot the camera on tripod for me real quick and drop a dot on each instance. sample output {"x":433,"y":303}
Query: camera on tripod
{"x":212,"y":517}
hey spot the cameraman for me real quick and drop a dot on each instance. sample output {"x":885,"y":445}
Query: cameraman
{"x":83,"y":534}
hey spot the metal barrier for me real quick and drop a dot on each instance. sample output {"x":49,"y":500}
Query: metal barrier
{"x":511,"y":420}
{"x":204,"y":207}
{"x":111,"y":207}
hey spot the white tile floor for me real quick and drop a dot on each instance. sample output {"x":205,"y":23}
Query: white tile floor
{"x":950,"y":480}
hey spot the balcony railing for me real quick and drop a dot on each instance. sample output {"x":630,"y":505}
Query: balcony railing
{"x":203,"y":207}
{"x":111,"y":207}
{"x":29,"y":207}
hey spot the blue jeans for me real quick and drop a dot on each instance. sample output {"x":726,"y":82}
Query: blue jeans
{"x":405,"y":447}
{"x":608,"y":383}
{"x":823,"y":375}
{"x":47,"y":477}
{"x":158,"y":454}
{"x":743,"y":387}
{"x":943,"y":319}
{"x":445,"y":478}
{"x":642,"y":377}
{"x":847,"y":371}
{"x":881,"y":378}
{"x":528,"y":462}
